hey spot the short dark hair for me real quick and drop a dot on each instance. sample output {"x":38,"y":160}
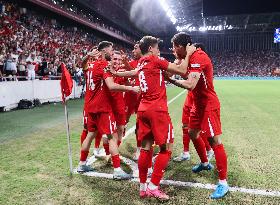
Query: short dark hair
{"x":200,"y":45}
{"x":104,"y":44}
{"x":181,"y":39}
{"x":146,"y":42}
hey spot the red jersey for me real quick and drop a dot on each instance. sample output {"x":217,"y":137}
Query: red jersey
{"x":118,"y":104}
{"x":204,"y":94}
{"x":134,"y":81}
{"x":189,"y":100}
{"x":153,"y":95}
{"x":97,"y":97}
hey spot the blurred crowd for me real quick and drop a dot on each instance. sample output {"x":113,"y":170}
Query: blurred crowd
{"x":34,"y":46}
{"x":249,"y":63}
{"x":91,"y":16}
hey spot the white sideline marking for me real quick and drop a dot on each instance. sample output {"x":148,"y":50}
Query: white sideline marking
{"x":193,"y":185}
{"x":132,"y":129}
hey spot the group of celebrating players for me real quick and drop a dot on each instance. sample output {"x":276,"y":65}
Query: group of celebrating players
{"x":116,"y":88}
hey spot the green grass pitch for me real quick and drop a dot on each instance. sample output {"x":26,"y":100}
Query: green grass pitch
{"x":34,"y":160}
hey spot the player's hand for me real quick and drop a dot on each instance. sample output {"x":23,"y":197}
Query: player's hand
{"x":124,"y":56}
{"x":190,"y":49}
{"x":94,"y":53}
{"x":136,"y":89}
{"x":167,"y":75}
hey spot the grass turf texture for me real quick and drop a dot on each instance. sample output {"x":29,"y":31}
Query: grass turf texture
{"x":34,"y":161}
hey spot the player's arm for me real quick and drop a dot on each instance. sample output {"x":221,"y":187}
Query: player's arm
{"x":189,"y":83}
{"x":183,"y":67}
{"x":85,"y":62}
{"x":93,"y":54}
{"x":172,"y":81}
{"x":130,"y":73}
{"x":120,"y":88}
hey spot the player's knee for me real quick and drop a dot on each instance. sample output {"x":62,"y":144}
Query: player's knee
{"x":216,"y":140}
{"x":193,"y":134}
{"x":110,"y":136}
{"x":163,"y":147}
{"x":146,"y":144}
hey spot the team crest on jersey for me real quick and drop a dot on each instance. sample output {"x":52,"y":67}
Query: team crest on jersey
{"x":196,"y":65}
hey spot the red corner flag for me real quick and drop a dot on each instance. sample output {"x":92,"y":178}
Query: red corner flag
{"x":66,"y":82}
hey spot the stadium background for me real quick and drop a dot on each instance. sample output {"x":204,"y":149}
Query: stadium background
{"x":34,"y":166}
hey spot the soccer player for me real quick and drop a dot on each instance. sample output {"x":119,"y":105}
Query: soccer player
{"x":185,"y":155}
{"x":118,"y":104}
{"x":205,"y":112}
{"x":118,"y":97}
{"x":132,"y":100}
{"x":88,"y":63}
{"x":153,"y":117}
{"x":99,"y":82}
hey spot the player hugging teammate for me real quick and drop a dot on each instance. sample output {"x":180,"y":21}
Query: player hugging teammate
{"x":154,"y":125}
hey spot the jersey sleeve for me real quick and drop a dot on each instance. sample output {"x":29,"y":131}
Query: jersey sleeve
{"x":196,"y":62}
{"x":162,"y":63}
{"x":106,"y":73}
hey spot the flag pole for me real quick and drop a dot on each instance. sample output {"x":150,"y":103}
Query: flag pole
{"x":68,"y":137}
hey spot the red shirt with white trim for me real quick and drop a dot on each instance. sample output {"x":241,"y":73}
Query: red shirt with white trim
{"x":97,"y":97}
{"x":153,"y":95}
{"x":204,"y":94}
{"x":118,"y":103}
{"x":134,"y":81}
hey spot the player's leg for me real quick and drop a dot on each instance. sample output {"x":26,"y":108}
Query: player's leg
{"x":119,"y":174}
{"x":221,"y":163}
{"x":84,"y":153}
{"x":98,"y":151}
{"x":120,"y":131}
{"x":92,"y":131}
{"x":107,"y":125}
{"x":85,"y":131}
{"x":201,"y":151}
{"x":83,"y":136}
{"x":146,"y":152}
{"x":209,"y":150}
{"x":162,"y":130}
{"x":138,"y":143}
{"x":144,"y":161}
{"x":185,"y":155}
{"x":121,"y":122}
{"x":214,"y":131}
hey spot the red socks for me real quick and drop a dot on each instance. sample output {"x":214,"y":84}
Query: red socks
{"x":139,"y":144}
{"x":116,"y":161}
{"x":200,"y":149}
{"x":83,"y":136}
{"x":221,"y":160}
{"x":186,"y":139}
{"x":106,"y":148}
{"x":205,"y":140}
{"x":151,"y":153}
{"x":97,"y":140}
{"x":160,"y":166}
{"x":143,"y":165}
{"x":83,"y":156}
